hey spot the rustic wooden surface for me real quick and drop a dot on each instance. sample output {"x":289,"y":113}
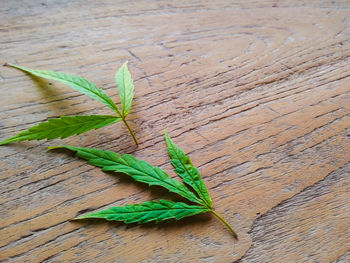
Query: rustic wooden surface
{"x":257,"y":92}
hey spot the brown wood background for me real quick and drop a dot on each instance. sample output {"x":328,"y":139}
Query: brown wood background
{"x":257,"y":92}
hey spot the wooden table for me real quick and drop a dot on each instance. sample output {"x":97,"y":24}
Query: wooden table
{"x":256,"y":92}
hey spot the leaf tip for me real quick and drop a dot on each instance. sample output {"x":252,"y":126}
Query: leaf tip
{"x":54,"y":147}
{"x":8,"y":140}
{"x":81,"y":217}
{"x":9,"y":65}
{"x":3,"y":142}
{"x":167,"y":137}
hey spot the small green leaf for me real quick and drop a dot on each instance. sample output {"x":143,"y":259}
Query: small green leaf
{"x":148,"y":211}
{"x":63,"y":127}
{"x":84,"y":86}
{"x":80,"y":84}
{"x":139,"y":170}
{"x":126,"y":88}
{"x":185,"y":169}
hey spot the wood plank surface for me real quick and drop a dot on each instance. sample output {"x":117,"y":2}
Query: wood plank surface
{"x":256,"y":92}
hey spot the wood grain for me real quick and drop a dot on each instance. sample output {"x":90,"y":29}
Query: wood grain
{"x":257,"y":92}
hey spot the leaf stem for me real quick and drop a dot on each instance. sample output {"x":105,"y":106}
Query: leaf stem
{"x":131,"y":132}
{"x":225,"y":222}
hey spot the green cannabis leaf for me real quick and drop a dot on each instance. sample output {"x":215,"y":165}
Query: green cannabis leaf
{"x":66,"y":126}
{"x":144,"y":172}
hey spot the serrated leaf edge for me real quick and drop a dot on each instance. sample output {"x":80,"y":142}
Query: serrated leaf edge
{"x":170,"y":144}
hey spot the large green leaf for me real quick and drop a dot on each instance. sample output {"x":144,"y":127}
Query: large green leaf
{"x":63,"y":127}
{"x":184,"y":168}
{"x":126,"y":88}
{"x":139,"y":170}
{"x":80,"y":84}
{"x":148,"y":211}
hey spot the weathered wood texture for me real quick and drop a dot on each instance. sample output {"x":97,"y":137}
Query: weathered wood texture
{"x":257,"y":92}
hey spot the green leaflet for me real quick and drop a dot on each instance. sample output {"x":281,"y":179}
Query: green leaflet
{"x":185,"y":169}
{"x":80,"y":84}
{"x":139,"y":170}
{"x":148,"y":211}
{"x":126,"y":88}
{"x":63,"y":127}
